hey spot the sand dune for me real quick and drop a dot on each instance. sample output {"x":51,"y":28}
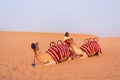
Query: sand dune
{"x":16,"y":57}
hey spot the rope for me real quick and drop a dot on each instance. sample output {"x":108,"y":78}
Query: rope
{"x":59,"y":42}
{"x":91,"y":39}
{"x":33,"y":64}
{"x":33,"y":46}
{"x":52,"y":44}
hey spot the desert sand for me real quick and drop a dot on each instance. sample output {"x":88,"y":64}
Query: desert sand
{"x":16,"y":57}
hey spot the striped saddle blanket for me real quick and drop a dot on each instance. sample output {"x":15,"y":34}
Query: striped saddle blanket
{"x":59,"y":52}
{"x":91,"y":46}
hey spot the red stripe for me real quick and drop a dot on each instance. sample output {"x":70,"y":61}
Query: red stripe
{"x":64,"y":51}
{"x":85,"y":49}
{"x":68,"y":51}
{"x":59,"y":52}
{"x":96,"y":46}
{"x":53,"y":55}
{"x":56,"y":52}
{"x":91,"y":47}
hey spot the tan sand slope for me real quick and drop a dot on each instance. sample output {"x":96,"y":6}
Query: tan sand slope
{"x":16,"y":57}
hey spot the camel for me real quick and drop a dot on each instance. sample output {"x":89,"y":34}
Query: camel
{"x":54,"y":55}
{"x":86,"y":49}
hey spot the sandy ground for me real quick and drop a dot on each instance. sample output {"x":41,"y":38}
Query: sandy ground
{"x":16,"y":57}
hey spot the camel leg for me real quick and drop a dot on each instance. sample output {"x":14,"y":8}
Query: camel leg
{"x":51,"y":61}
{"x":70,"y":58}
{"x":99,"y":53}
{"x":83,"y":55}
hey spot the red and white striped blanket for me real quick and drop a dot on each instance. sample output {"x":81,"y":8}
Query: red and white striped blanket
{"x":91,"y":47}
{"x":59,"y":52}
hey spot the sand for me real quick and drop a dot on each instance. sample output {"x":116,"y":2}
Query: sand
{"x":16,"y":57}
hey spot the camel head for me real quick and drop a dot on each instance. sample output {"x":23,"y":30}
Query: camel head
{"x":69,"y":41}
{"x":35,"y":46}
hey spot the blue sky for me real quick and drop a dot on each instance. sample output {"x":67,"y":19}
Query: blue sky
{"x":99,"y":17}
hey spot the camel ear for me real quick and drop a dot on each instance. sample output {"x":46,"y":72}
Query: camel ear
{"x":37,"y":43}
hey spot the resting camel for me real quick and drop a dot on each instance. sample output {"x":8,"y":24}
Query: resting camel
{"x":90,"y":48}
{"x":54,"y":55}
